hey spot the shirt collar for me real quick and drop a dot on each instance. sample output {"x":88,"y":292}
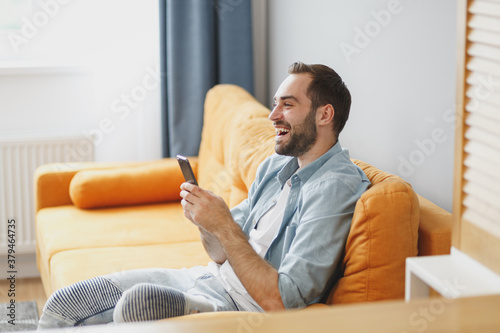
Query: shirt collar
{"x":305,"y":173}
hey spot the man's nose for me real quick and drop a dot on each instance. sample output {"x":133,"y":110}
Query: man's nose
{"x":275,"y":113}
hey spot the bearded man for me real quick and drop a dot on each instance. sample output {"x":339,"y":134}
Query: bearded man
{"x":281,"y":248}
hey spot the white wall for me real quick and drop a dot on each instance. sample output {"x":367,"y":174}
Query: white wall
{"x":400,"y":71}
{"x":108,"y":87}
{"x":402,"y":78}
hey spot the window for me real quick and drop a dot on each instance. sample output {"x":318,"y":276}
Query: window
{"x":477,"y":158}
{"x":12,"y":13}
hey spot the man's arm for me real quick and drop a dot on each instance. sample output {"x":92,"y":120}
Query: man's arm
{"x":221,"y":233}
{"x":213,"y":247}
{"x":258,"y":277}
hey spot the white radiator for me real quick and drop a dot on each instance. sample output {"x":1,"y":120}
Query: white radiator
{"x":19,"y":157}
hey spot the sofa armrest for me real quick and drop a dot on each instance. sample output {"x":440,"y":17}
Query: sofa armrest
{"x":53,"y":181}
{"x":434,"y":232}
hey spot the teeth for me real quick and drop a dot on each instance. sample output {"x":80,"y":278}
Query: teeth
{"x":282,"y":131}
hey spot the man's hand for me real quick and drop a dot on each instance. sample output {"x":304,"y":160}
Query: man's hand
{"x":195,"y":202}
{"x":206,"y":210}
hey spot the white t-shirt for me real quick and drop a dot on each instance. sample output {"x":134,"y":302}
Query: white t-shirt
{"x":260,"y":239}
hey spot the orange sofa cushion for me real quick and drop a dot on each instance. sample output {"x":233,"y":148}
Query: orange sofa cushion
{"x":384,"y":232}
{"x":68,"y":267}
{"x":147,"y":183}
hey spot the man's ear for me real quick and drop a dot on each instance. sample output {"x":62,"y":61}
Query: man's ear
{"x":326,"y":113}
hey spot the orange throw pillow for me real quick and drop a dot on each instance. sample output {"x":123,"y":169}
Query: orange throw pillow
{"x":148,"y":183}
{"x":384,"y":231}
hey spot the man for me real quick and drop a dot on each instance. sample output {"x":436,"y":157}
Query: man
{"x":280,"y":248}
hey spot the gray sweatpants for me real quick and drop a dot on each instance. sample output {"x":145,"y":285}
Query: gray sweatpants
{"x":136,"y":295}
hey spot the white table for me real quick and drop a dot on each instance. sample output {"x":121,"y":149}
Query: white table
{"x":453,"y":276}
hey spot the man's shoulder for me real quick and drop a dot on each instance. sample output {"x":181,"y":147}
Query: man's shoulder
{"x":340,"y":169}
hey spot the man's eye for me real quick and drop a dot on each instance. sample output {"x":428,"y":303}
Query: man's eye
{"x":287,"y":104}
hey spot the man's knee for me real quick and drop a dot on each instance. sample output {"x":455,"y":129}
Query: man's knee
{"x":145,"y":302}
{"x":82,"y":300}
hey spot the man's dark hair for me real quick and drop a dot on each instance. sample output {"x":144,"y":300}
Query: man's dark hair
{"x":326,"y":87}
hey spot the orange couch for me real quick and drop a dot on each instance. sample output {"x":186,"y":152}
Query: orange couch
{"x":98,"y":218}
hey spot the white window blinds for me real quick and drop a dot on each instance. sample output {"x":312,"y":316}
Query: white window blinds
{"x":481,"y":145}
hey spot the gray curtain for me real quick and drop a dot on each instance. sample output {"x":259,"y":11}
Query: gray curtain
{"x":203,"y":43}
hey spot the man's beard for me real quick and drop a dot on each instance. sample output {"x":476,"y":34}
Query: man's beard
{"x":302,"y":137}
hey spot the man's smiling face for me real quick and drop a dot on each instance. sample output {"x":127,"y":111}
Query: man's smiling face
{"x":292,"y":117}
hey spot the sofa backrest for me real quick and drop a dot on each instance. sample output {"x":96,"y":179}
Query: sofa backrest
{"x":384,"y":232}
{"x":237,"y":136}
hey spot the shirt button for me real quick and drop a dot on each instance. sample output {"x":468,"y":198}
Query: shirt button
{"x":274,"y":200}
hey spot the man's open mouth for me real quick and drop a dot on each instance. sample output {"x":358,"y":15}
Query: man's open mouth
{"x":280,"y":131}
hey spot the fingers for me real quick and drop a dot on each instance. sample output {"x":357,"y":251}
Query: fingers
{"x":185,"y":196}
{"x":189,"y":199}
{"x":187,"y":213}
{"x":188,"y":191}
{"x":194,"y":198}
{"x":187,"y":186}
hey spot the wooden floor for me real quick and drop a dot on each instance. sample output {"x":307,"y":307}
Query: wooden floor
{"x":25,"y":290}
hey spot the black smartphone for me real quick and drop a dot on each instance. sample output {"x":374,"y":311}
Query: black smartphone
{"x":187,"y":171}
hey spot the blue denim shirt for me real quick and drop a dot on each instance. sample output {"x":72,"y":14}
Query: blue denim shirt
{"x":308,"y":249}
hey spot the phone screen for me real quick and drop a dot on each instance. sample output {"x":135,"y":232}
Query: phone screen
{"x":187,"y":171}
